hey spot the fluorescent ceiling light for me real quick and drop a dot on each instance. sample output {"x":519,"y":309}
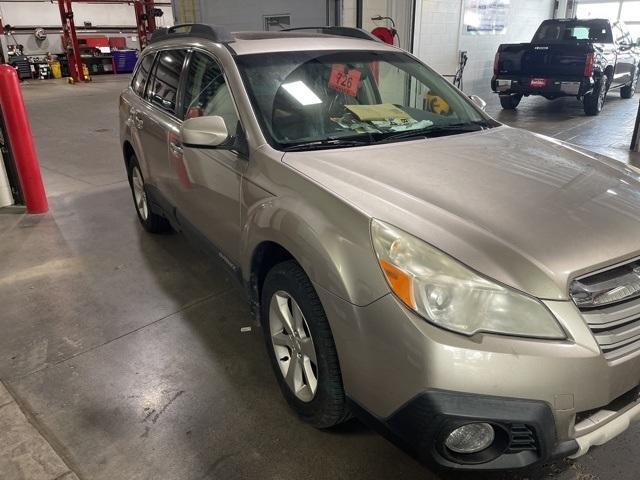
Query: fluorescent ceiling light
{"x":301,"y":93}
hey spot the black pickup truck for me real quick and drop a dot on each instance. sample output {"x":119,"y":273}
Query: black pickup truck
{"x":568,"y":57}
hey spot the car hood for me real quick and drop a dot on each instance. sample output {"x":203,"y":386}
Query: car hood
{"x":521,"y":208}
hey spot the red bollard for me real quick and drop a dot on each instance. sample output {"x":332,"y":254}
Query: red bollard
{"x":21,"y":141}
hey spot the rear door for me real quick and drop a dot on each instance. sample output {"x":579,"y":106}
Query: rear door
{"x":208,"y":187}
{"x":133,"y":105}
{"x":160,"y":120}
{"x":625,"y":58}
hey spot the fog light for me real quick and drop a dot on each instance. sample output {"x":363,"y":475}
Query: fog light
{"x":470,"y":438}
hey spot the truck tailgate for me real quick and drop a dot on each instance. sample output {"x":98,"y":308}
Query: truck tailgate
{"x":543,"y":60}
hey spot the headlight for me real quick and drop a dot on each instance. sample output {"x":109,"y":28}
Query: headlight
{"x":450,"y":295}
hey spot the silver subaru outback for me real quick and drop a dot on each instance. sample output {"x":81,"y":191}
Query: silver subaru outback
{"x":471,"y":289}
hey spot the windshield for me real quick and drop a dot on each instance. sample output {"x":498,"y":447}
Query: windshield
{"x":563,"y":31}
{"x":349,"y":98}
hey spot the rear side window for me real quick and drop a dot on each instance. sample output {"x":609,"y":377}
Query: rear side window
{"x":140,"y":78}
{"x":206,"y":92}
{"x":163,"y":85}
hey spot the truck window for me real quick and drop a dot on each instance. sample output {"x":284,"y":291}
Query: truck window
{"x":562,"y":31}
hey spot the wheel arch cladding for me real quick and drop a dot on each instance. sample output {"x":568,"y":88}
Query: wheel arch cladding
{"x":335,"y":255}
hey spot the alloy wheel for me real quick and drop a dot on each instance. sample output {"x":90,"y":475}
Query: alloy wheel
{"x":293,"y":346}
{"x":139,"y":195}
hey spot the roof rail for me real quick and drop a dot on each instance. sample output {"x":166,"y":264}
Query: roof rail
{"x":340,"y":31}
{"x":210,"y":32}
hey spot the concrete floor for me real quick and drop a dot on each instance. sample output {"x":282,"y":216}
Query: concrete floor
{"x":122,"y":352}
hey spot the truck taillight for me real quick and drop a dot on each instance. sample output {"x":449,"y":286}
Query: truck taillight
{"x":588,"y":66}
{"x":496,"y":62}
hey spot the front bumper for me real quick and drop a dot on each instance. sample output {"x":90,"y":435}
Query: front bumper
{"x":525,"y":430}
{"x":390,"y":359}
{"x":555,"y":87}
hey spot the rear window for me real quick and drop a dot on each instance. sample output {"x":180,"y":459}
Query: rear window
{"x":559,"y":32}
{"x":140,"y":78}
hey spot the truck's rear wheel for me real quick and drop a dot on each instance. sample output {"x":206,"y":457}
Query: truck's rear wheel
{"x":510,"y":102}
{"x":594,"y":101}
{"x":628,"y":91}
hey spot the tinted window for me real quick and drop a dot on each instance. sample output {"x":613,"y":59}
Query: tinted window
{"x":563,"y":31}
{"x":206,"y":92}
{"x":140,"y":78}
{"x":163,"y":86}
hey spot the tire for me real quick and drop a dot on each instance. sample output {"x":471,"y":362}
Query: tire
{"x":151,"y":221}
{"x":628,"y":91}
{"x":288,"y":289}
{"x":594,"y":101}
{"x":510,"y":102}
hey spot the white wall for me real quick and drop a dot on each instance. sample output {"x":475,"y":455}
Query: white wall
{"x":239,"y":15}
{"x":439,"y":38}
{"x":6,"y":197}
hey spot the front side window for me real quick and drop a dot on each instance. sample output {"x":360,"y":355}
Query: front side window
{"x":206,"y":92}
{"x":163,"y":84}
{"x":302,"y":98}
{"x":140,"y":78}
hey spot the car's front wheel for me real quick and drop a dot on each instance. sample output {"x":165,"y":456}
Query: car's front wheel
{"x":301,"y":347}
{"x":151,"y":221}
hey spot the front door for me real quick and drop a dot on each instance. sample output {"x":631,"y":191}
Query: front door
{"x":208,"y":185}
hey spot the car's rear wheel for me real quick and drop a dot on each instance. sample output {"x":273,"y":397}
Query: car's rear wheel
{"x":628,"y":91}
{"x":301,"y":347}
{"x":151,"y":221}
{"x":594,"y":101}
{"x":510,"y":102}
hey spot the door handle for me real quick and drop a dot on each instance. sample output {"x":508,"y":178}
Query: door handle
{"x":138,"y":121}
{"x":175,"y":149}
{"x":134,"y":120}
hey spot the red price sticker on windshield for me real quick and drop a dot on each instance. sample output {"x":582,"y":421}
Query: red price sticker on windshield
{"x":345,"y":80}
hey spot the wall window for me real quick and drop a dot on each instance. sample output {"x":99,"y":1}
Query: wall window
{"x":627,"y":11}
{"x":163,"y":86}
{"x":608,"y":10}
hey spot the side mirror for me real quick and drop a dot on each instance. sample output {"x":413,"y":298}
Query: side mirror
{"x":478,"y":101}
{"x":204,"y":132}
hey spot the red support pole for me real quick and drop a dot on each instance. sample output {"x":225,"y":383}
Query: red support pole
{"x":70,"y":41}
{"x":18,"y":130}
{"x":74,"y":41}
{"x":141,"y":23}
{"x":149,"y":7}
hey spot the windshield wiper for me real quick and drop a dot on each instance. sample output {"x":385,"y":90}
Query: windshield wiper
{"x":323,"y":144}
{"x":436,"y":131}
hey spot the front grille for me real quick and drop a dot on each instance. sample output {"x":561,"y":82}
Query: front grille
{"x":521,"y":439}
{"x":610,"y":304}
{"x":615,"y":328}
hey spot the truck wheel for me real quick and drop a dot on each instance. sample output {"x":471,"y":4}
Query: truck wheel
{"x":628,"y":91}
{"x":301,"y":347}
{"x":151,"y":222}
{"x":510,"y":102}
{"x":594,"y":101}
